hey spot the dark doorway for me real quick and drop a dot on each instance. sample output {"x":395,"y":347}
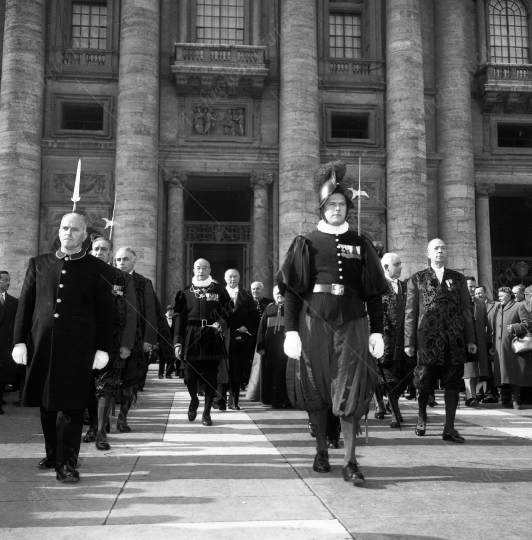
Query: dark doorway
{"x":221,"y":257}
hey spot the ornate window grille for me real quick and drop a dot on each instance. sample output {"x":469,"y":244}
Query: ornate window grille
{"x":509,"y":42}
{"x":89,"y":26}
{"x":345,"y":35}
{"x":220,"y":22}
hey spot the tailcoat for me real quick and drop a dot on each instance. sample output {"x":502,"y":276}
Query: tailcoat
{"x":438,"y":317}
{"x":66,"y":308}
{"x":335,"y":366}
{"x":397,"y":367}
{"x":510,"y":368}
{"x":8,"y":367}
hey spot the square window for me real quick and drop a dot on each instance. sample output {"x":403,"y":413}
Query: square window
{"x":346,"y":125}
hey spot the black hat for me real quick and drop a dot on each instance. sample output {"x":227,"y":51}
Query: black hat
{"x":328,"y":180}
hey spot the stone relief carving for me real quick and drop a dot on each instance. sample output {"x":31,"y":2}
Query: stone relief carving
{"x":372,"y":225}
{"x":89,"y":182}
{"x":211,"y":121}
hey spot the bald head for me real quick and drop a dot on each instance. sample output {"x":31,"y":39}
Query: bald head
{"x":72,"y":232}
{"x":202,"y":269}
{"x":391,"y":264}
{"x":436,"y":251}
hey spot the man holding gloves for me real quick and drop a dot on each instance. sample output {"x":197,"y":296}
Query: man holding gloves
{"x":65,"y":315}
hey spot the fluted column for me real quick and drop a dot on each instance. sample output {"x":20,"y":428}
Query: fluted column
{"x":482,"y":42}
{"x":260,"y":270}
{"x":485,"y":272}
{"x":175,"y":229}
{"x":456,"y":190}
{"x":183,"y":21}
{"x":137,"y":133}
{"x":22,"y":92}
{"x":406,"y":145}
{"x":298,"y":117}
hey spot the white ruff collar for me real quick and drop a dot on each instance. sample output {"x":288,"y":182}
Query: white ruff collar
{"x":205,"y":283}
{"x":327,"y":228}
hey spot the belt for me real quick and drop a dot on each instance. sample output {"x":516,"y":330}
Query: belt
{"x":338,"y":289}
{"x":197,"y":322}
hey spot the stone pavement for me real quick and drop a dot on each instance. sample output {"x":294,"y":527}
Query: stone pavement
{"x":250,"y":476}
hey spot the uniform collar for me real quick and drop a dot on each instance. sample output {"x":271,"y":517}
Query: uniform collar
{"x":73,"y":256}
{"x":206,"y":283}
{"x":327,"y":228}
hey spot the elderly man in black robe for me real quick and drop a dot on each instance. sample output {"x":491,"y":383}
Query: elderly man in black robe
{"x":200,"y":310}
{"x":333,"y":280}
{"x":66,"y":310}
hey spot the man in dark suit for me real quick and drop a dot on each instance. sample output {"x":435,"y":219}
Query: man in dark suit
{"x":397,"y":367}
{"x":439,"y":329}
{"x":8,"y":310}
{"x":66,"y":309}
{"x":240,"y":324}
{"x":486,"y":386}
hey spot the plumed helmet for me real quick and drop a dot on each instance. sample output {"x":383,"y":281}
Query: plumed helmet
{"x":328,"y":180}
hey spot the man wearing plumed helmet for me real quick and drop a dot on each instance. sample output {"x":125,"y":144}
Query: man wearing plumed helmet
{"x":332,"y":280}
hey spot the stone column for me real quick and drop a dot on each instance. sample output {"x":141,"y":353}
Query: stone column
{"x":482,"y":42}
{"x":21,"y":111}
{"x":183,"y":21}
{"x":138,"y":133}
{"x":482,"y":212}
{"x":298,"y":118}
{"x":175,"y":262}
{"x":256,"y":24}
{"x":456,"y":190}
{"x":405,"y":141}
{"x":260,"y":270}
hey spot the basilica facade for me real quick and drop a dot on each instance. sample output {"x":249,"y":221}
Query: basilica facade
{"x":200,"y":123}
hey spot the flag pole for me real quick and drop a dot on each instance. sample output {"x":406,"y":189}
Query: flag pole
{"x":113,"y":218}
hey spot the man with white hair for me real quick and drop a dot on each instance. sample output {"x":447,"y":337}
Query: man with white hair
{"x":66,"y":311}
{"x":260,"y":303}
{"x":438,"y":329}
{"x":397,"y":367}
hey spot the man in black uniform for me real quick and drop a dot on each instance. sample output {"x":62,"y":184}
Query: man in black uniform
{"x":330,"y":276}
{"x":66,"y":308}
{"x":8,"y":311}
{"x":199,"y":314}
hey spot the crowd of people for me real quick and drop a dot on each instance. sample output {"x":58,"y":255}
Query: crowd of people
{"x":341,"y":330}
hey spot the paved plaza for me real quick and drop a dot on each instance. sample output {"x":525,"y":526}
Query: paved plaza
{"x":250,"y":477}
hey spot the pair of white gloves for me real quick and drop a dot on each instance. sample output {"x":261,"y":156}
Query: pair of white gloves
{"x":20,"y":356}
{"x":292,"y":345}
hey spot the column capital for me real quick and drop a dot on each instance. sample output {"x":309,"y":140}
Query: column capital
{"x":485,"y":190}
{"x":260,"y":180}
{"x":175,"y":178}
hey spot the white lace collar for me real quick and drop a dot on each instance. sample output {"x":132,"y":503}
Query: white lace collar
{"x":205,"y":283}
{"x":232,"y":291}
{"x":327,"y":228}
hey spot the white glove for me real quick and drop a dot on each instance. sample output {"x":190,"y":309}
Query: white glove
{"x":376,"y":345}
{"x":20,"y":354}
{"x":292,"y":344}
{"x":100,"y":360}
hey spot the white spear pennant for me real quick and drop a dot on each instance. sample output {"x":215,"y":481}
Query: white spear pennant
{"x":75,"y":197}
{"x":111,"y":223}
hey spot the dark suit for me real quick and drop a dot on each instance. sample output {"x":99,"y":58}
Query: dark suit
{"x":8,"y":367}
{"x":66,"y":307}
{"x":438,"y":324}
{"x":480,"y":368}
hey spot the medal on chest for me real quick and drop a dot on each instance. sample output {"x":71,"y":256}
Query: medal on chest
{"x":349,"y":252}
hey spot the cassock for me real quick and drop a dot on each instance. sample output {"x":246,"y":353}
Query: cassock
{"x":270,"y":339}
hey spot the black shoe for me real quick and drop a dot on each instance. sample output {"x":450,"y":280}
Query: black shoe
{"x":46,"y":463}
{"x":333,"y":443}
{"x":379,"y":415}
{"x":103,"y":445}
{"x":219,"y":404}
{"x":90,"y":436}
{"x":490,"y":399}
{"x":206,"y":421}
{"x":168,"y":377}
{"x":123,"y":428}
{"x":421,"y":427}
{"x":17,"y":403}
{"x":321,"y":463}
{"x":67,"y":474}
{"x":193,"y":411}
{"x":351,"y":473}
{"x":432,"y":402}
{"x":235,"y":407}
{"x":394,"y":424}
{"x":312,"y":429}
{"x":453,"y":437}
{"x":161,"y":377}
